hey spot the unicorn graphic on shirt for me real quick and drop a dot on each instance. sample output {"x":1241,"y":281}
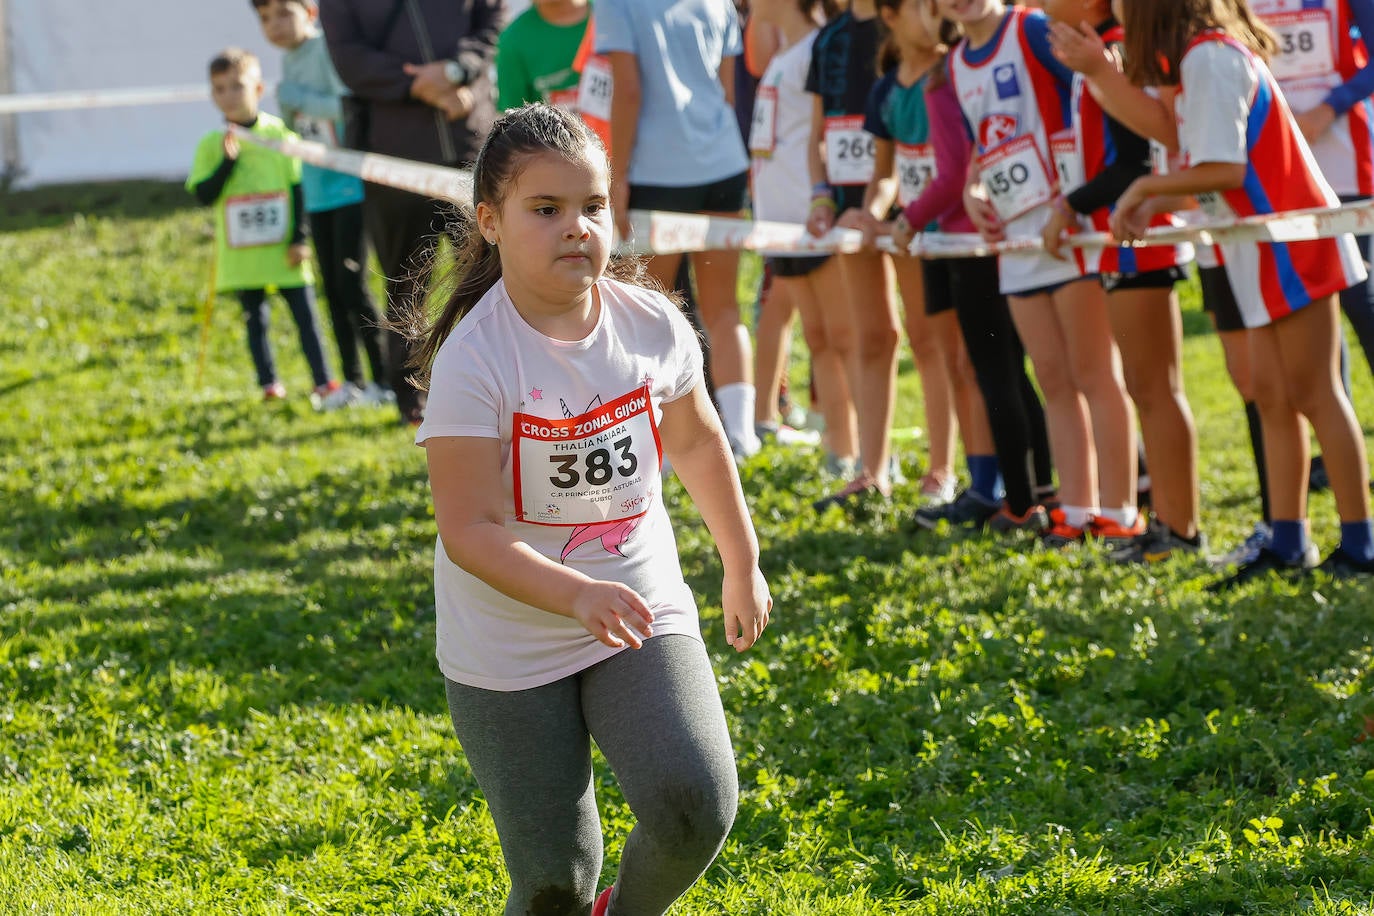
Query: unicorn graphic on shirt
{"x":612,"y":535}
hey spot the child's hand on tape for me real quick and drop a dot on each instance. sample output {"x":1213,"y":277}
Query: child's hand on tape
{"x":613,"y":613}
{"x":230,"y":145}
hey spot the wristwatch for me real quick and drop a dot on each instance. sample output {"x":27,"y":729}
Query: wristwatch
{"x":454,"y":73}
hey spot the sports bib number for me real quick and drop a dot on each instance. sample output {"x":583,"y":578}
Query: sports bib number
{"x":594,"y":89}
{"x":1068,"y":165}
{"x":763,"y":131}
{"x":1015,"y":177}
{"x":252,"y":220}
{"x":1305,"y":47}
{"x":316,"y":130}
{"x":915,"y":170}
{"x":848,"y":150}
{"x":602,"y":466}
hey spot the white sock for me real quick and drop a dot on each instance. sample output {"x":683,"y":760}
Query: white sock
{"x":737,"y":411}
{"x":1125,"y":516}
{"x":1078,"y":516}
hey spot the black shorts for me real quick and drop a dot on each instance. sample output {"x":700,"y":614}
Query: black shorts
{"x":848,"y":197}
{"x":939,"y":286}
{"x":1219,"y":299}
{"x":725,"y":196}
{"x":1164,"y":278}
{"x":795,"y":266}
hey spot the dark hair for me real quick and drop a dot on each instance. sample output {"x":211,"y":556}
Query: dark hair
{"x":259,"y":4}
{"x":233,"y":60}
{"x":516,"y":136}
{"x":890,"y":56}
{"x":1158,"y":33}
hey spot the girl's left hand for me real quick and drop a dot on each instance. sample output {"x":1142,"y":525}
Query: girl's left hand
{"x":1315,"y":121}
{"x":1132,"y":215}
{"x":296,"y":255}
{"x":860,"y":219}
{"x":747,"y":605}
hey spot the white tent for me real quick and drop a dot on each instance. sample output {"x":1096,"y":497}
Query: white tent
{"x":83,"y":45}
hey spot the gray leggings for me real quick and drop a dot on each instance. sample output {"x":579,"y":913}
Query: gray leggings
{"x":656,"y":715}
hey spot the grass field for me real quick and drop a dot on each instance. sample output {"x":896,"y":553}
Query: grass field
{"x":218,"y":693}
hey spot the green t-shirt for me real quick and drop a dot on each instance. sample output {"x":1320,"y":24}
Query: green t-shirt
{"x":534,"y":60}
{"x":253,"y":215}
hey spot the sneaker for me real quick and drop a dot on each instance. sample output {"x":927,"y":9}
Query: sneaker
{"x":377,"y":395}
{"x":1113,"y":534}
{"x":1060,"y":533}
{"x":334,"y":394}
{"x":1247,"y":550}
{"x":274,"y":392}
{"x":895,"y":477}
{"x":1156,"y":545}
{"x":1265,"y":563}
{"x":1035,"y":519}
{"x":937,"y":490}
{"x":1341,"y":565}
{"x":603,"y":902}
{"x":840,"y":468}
{"x":854,"y":494}
{"x":783,"y":434}
{"x":745,"y":449}
{"x":967,"y":510}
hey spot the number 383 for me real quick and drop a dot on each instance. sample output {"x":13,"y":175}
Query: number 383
{"x":596,"y":467}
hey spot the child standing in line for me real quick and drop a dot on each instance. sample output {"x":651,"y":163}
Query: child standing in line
{"x":310,"y":95}
{"x":1096,"y":161}
{"x":779,"y":183}
{"x":260,"y":233}
{"x":1022,"y":467}
{"x":1014,"y":95}
{"x":863,"y":326}
{"x":910,"y":58}
{"x":536,"y":52}
{"x":555,"y":393}
{"x":1244,"y":154}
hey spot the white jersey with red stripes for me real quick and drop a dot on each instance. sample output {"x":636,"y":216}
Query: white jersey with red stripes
{"x":1317,"y":53}
{"x":1270,"y":279}
{"x":1013,"y":103}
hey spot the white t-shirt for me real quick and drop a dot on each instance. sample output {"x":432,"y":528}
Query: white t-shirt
{"x":779,"y":135}
{"x":580,"y":460}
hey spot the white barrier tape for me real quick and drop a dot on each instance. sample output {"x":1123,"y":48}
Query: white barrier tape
{"x":101,"y":98}
{"x":658,"y":232}
{"x":430,"y":180}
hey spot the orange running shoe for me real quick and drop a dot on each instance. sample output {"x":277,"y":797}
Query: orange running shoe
{"x":1060,"y":533}
{"x":1113,"y":534}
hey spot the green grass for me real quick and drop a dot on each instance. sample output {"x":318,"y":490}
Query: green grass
{"x":218,"y":693}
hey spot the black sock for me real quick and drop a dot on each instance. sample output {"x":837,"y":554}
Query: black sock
{"x":1252,"y":417}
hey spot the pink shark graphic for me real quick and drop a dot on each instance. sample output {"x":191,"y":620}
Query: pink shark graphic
{"x":612,"y":535}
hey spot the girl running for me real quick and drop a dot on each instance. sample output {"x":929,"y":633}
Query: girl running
{"x":556,"y":392}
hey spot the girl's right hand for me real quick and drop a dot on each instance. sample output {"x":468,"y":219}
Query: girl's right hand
{"x":821,"y":219}
{"x":983,"y":214}
{"x":1131,"y":216}
{"x":747,"y":606}
{"x":902,"y":235}
{"x":613,"y":613}
{"x":230,"y":145}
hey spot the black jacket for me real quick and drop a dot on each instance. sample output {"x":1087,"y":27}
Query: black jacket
{"x":370,"y":65}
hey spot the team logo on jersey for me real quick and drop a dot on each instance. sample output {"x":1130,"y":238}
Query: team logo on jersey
{"x":1314,"y":4}
{"x":996,"y":129}
{"x":1004,"y":78}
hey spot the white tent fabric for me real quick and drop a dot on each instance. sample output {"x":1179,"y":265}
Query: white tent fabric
{"x":69,"y":45}
{"x":82,"y":45}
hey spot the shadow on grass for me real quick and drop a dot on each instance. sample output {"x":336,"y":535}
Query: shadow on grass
{"x":56,"y":205}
